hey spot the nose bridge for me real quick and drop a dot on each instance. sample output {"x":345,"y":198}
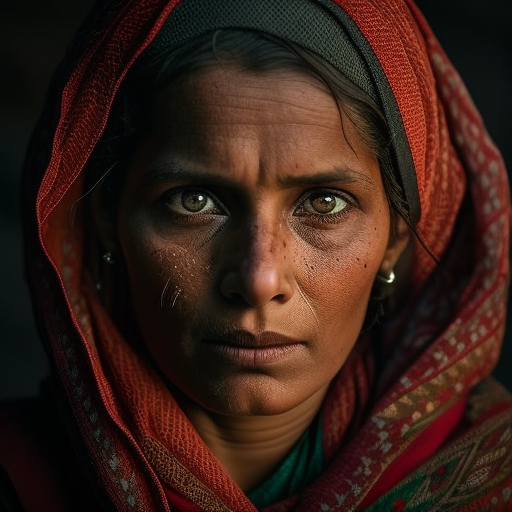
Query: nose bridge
{"x":261,"y":245}
{"x":262,"y":266}
{"x":258,"y":271}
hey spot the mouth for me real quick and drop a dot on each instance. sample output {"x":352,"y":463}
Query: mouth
{"x":244,"y":348}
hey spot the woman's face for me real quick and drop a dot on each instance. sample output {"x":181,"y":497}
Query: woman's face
{"x":252,"y":224}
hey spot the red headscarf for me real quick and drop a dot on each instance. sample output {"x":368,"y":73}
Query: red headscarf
{"x":144,"y":452}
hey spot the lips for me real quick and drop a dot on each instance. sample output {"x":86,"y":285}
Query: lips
{"x":244,"y":348}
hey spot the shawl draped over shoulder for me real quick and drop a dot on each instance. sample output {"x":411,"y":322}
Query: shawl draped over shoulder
{"x":433,"y":434}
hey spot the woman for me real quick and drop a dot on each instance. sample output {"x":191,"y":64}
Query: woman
{"x":268,"y":248}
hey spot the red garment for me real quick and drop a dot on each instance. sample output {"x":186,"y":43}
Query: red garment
{"x":144,"y":452}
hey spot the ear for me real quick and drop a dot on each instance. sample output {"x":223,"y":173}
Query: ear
{"x":104,"y":220}
{"x":398,"y":241}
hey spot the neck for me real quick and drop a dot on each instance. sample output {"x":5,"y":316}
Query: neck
{"x":250,"y":447}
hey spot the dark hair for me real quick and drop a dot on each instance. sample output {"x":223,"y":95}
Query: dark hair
{"x":247,"y":50}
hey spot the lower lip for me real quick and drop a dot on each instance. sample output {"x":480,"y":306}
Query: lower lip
{"x":254,"y":356}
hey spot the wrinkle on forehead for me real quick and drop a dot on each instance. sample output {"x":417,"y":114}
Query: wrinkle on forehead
{"x":259,"y":120}
{"x":245,"y":93}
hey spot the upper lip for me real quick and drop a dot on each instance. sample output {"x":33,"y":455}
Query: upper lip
{"x":243,"y":338}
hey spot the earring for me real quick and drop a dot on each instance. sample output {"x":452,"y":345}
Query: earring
{"x":390,"y":279}
{"x":108,"y":258}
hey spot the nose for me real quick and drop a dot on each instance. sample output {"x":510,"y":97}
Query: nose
{"x":258,"y":268}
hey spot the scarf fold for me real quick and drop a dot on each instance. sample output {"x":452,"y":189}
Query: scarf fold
{"x":145,"y":453}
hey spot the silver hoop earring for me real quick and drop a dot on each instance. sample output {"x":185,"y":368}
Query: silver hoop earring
{"x":390,"y":279}
{"x":108,"y":258}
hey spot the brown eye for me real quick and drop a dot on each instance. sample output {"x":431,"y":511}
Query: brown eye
{"x":323,"y":203}
{"x":194,"y":201}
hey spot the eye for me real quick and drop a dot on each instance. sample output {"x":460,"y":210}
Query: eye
{"x":322,"y":203}
{"x":192,"y":202}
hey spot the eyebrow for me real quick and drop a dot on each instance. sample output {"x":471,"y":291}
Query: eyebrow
{"x":174,"y":170}
{"x":342,"y":174}
{"x":170,"y":171}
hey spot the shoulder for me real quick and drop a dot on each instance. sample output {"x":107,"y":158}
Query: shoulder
{"x":473,"y":470}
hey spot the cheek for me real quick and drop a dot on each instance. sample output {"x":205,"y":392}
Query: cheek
{"x":339,"y":282}
{"x":166,"y":280}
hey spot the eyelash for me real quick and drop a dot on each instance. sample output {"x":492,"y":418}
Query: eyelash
{"x":299,"y":210}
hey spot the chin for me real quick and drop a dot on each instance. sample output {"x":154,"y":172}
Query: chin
{"x":257,"y":395}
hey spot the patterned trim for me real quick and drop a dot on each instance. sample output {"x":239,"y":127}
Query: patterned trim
{"x":170,"y":470}
{"x":473,"y":467}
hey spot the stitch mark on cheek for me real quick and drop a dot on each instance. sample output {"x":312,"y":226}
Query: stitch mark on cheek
{"x":164,"y":291}
{"x":176,"y":295}
{"x":302,"y":294}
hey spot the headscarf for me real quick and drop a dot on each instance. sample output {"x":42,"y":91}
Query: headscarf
{"x":433,"y":432}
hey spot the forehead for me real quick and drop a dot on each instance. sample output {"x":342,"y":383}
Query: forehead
{"x":250,"y":98}
{"x":227,"y":114}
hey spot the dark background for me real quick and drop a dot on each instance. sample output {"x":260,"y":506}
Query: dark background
{"x":33,"y":36}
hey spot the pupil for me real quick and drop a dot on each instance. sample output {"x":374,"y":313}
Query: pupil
{"x":193,"y":202}
{"x":324,"y":204}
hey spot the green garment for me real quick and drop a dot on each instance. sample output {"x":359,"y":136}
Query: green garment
{"x":302,"y":465}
